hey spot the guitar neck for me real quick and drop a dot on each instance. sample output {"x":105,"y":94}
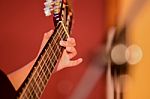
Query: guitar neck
{"x":36,"y":81}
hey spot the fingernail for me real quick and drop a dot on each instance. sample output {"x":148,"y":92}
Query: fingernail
{"x":51,"y":30}
{"x":80,"y":59}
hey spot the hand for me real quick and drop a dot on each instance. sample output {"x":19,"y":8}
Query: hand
{"x":20,"y":75}
{"x":68,"y":53}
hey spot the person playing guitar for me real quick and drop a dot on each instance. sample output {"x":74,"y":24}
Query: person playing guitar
{"x":56,"y":52}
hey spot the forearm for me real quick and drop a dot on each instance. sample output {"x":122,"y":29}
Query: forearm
{"x":17,"y":77}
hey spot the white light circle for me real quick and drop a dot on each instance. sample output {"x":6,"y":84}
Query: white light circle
{"x":133,"y":54}
{"x":118,"y":54}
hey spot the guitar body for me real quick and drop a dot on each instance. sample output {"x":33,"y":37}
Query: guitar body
{"x":7,"y":90}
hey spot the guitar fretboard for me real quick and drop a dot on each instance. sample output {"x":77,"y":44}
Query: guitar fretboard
{"x":37,"y":79}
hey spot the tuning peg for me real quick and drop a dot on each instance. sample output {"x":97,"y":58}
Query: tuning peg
{"x":47,"y":12}
{"x":48,"y":3}
{"x":48,"y":7}
{"x":51,"y":5}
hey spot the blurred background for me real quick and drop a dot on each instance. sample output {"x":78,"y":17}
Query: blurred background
{"x":23,"y":25}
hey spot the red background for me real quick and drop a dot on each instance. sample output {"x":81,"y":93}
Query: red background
{"x":22,"y":25}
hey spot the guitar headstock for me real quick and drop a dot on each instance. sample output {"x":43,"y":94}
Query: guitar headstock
{"x":61,"y":10}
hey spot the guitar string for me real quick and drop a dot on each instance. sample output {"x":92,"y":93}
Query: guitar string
{"x":33,"y":75}
{"x":57,"y":49}
{"x":44,"y":60}
{"x":33,"y":80}
{"x":49,"y":57}
{"x":57,"y":55}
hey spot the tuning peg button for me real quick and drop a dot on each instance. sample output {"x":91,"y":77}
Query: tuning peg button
{"x":48,"y":4}
{"x":47,"y":11}
{"x":48,"y":7}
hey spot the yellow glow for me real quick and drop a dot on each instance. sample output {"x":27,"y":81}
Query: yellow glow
{"x":139,"y":33}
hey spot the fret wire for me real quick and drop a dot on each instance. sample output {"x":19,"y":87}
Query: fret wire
{"x":27,"y":87}
{"x":36,"y":88}
{"x":53,"y":52}
{"x":64,"y":37}
{"x":59,"y":50}
{"x":50,"y":49}
{"x":42,"y":69}
{"x":34,"y":73}
{"x":56,"y":47}
{"x":28,"y":82}
{"x":46,"y":70}
{"x":48,"y":61}
{"x":56,"y":51}
{"x":31,"y":89}
{"x":25,"y":96}
{"x":53,"y":57}
{"x":55,"y":41}
{"x":50,"y":66}
{"x":45,"y":54}
{"x":40,"y":78}
{"x":40,"y":87}
{"x":33,"y":85}
{"x":43,"y":74}
{"x":28,"y":92}
{"x":40,"y":82}
{"x":63,"y":33}
{"x":52,"y":46}
{"x":33,"y":93}
{"x":49,"y":57}
{"x":55,"y":37}
{"x":41,"y":66}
